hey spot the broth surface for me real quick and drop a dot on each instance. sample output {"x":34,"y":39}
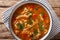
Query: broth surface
{"x":30,"y":22}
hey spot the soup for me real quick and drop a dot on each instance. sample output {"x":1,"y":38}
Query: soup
{"x":30,"y":22}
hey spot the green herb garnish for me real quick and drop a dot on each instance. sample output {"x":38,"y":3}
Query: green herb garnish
{"x":32,"y":37}
{"x":35,"y":32}
{"x":41,"y":26}
{"x":36,"y":8}
{"x":42,"y":13}
{"x":30,"y":11}
{"x":21,"y":26}
{"x":30,"y":17}
{"x":29,"y":21}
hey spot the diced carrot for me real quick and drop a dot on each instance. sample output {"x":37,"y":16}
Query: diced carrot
{"x":45,"y":15}
{"x":47,"y":21}
{"x":34,"y":16}
{"x":32,"y":7}
{"x":24,"y":36}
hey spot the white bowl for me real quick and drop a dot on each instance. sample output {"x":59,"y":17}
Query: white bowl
{"x":24,"y":2}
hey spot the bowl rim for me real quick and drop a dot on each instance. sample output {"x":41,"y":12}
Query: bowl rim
{"x":25,"y":2}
